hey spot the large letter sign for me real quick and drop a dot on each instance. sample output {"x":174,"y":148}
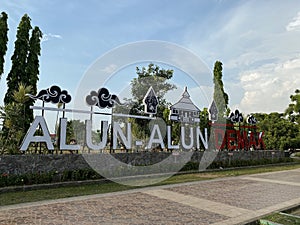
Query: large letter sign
{"x":184,"y":111}
{"x":39,"y":121}
{"x":88,"y":135}
{"x":63,"y":136}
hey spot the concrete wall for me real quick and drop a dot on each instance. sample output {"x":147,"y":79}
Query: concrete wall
{"x":22,"y":164}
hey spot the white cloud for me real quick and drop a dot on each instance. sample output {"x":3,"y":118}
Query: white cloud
{"x":250,"y":77}
{"x":292,"y":64}
{"x":294,"y":24}
{"x":110,"y":69}
{"x":261,"y":60}
{"x":49,"y":36}
{"x":267,"y":88}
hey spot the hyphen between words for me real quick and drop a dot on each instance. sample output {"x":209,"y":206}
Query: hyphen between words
{"x":183,"y":111}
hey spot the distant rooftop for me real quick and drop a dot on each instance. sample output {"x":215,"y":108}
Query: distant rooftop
{"x":185,"y":102}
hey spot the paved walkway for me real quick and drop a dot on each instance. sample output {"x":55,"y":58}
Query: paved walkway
{"x":225,"y":201}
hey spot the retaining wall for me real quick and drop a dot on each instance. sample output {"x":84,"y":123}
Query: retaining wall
{"x":22,"y":164}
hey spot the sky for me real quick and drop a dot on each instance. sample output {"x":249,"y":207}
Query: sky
{"x":257,"y":41}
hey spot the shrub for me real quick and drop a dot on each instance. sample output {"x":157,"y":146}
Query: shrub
{"x":49,"y":177}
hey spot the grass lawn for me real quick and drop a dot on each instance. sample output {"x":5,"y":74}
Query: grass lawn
{"x":64,"y":192}
{"x":282,"y":219}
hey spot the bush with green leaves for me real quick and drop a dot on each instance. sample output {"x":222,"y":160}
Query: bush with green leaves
{"x":14,"y":127}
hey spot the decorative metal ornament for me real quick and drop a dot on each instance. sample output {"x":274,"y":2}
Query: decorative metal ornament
{"x":54,"y":94}
{"x":251,"y":120}
{"x":213,"y":111}
{"x":236,"y":117}
{"x":150,"y":102}
{"x":102,"y":98}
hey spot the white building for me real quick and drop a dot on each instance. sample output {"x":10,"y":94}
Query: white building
{"x":185,"y":110}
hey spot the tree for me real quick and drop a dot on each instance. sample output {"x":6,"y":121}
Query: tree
{"x":77,"y":129}
{"x":152,"y":76}
{"x":15,"y":126}
{"x":3,"y":40}
{"x":293,"y":115}
{"x":221,"y":98}
{"x":17,"y":73}
{"x":32,"y":69}
{"x":25,"y":66}
{"x":293,"y":110}
{"x":279,"y":132}
{"x":204,"y":123}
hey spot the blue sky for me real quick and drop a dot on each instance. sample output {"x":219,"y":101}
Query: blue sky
{"x":257,"y":41}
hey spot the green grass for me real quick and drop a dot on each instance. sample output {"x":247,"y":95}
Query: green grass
{"x":282,"y":219}
{"x":64,"y":192}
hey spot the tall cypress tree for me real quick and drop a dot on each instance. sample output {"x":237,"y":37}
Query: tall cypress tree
{"x":32,"y":67}
{"x":3,"y":40}
{"x":17,"y":73}
{"x":25,"y":66}
{"x":32,"y":70}
{"x":220,"y":97}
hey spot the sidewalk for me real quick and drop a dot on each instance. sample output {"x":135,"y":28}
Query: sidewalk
{"x":225,"y":201}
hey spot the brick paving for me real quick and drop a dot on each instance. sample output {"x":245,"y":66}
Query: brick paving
{"x":245,"y":194}
{"x":132,"y":208}
{"x":235,"y":200}
{"x":291,"y":176}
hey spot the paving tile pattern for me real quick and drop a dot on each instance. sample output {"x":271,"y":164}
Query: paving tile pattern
{"x":134,"y":208}
{"x":251,"y":196}
{"x":289,"y":176}
{"x":240,"y":193}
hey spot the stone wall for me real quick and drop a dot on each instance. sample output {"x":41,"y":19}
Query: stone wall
{"x":22,"y":164}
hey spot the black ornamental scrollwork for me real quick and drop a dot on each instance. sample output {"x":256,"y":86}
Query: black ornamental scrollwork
{"x":102,"y":98}
{"x":54,"y":94}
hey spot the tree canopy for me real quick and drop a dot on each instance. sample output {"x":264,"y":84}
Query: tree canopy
{"x":3,"y":40}
{"x":15,"y":127}
{"x":25,"y":65}
{"x":293,"y":110}
{"x":221,"y":98}
{"x":150,"y":76}
{"x":17,"y":73}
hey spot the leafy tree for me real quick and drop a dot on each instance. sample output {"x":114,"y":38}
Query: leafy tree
{"x":70,"y":131}
{"x":25,"y":66}
{"x":204,"y":118}
{"x":293,"y":110}
{"x":157,"y":78}
{"x":3,"y":40}
{"x":293,"y":115}
{"x":32,"y":69}
{"x":221,"y":98}
{"x":149,"y":76}
{"x":152,"y":76}
{"x":17,"y":73}
{"x":15,"y":126}
{"x":204,"y":123}
{"x":77,"y":131}
{"x":279,"y":133}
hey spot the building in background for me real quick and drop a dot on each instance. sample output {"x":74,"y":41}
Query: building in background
{"x":185,"y":110}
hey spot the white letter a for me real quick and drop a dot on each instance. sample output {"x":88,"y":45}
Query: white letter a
{"x":38,"y":121}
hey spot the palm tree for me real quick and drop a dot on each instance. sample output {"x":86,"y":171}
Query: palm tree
{"x":13,"y":115}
